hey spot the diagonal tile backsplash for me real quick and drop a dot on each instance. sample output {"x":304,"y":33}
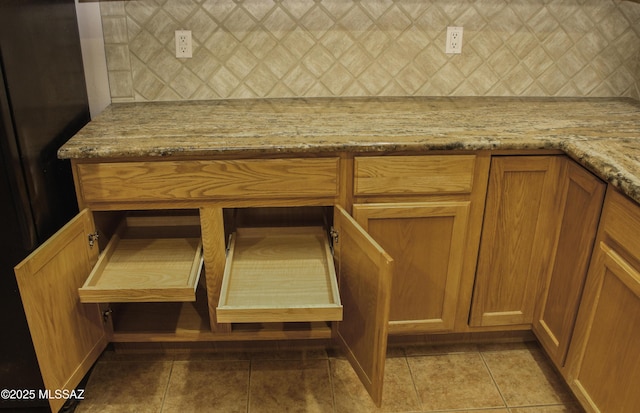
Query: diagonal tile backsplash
{"x":304,"y":48}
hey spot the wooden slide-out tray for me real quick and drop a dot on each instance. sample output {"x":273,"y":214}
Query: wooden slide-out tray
{"x":149,"y":259}
{"x":279,"y":275}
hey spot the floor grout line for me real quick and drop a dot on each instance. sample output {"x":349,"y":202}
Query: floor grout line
{"x":413,"y":381}
{"x":249,"y":385}
{"x":331,"y":384}
{"x":493,"y":379}
{"x":166,"y":388}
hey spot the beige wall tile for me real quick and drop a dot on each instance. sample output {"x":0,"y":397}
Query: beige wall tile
{"x":267,"y":48}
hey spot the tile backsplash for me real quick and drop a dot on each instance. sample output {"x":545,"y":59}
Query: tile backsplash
{"x":304,"y":48}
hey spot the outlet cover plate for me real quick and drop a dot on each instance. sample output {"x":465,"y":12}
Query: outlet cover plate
{"x":454,"y":40}
{"x":183,"y":44}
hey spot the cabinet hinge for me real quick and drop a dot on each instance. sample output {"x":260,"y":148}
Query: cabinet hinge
{"x":106,"y":314}
{"x":93,"y":238}
{"x":335,"y":235}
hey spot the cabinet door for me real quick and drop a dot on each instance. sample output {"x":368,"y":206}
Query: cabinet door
{"x":68,"y":336}
{"x":557,"y":306}
{"x":515,"y":248}
{"x":605,"y":359}
{"x":603,"y":363}
{"x":427,"y":242}
{"x":364,"y":281}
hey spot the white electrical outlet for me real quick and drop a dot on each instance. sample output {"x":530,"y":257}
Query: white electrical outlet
{"x":454,"y":40}
{"x":183,"y":44}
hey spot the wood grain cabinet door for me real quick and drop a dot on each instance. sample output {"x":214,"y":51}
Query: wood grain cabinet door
{"x":557,"y":307}
{"x":364,"y":281}
{"x":603,"y":362}
{"x":427,"y":242}
{"x":68,"y":336}
{"x":607,"y":364}
{"x":515,"y":248}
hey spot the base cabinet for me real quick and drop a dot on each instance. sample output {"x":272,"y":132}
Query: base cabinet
{"x":532,"y":247}
{"x":426,"y":211}
{"x":71,"y":327}
{"x":582,"y":195}
{"x":604,"y":361}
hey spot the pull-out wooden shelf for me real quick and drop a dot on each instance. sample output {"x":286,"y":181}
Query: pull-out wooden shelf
{"x":279,"y":275}
{"x":149,"y":259}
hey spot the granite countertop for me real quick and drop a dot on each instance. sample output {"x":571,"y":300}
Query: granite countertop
{"x":601,"y":134}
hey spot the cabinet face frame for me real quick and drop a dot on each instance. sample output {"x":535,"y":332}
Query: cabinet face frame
{"x":68,"y":336}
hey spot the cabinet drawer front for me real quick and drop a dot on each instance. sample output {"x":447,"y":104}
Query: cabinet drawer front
{"x":202,"y":180}
{"x":413,"y":175}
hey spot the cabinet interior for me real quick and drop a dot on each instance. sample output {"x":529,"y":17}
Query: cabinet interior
{"x":186,"y":321}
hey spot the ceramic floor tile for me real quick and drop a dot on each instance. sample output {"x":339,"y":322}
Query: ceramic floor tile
{"x":454,"y":381}
{"x":208,"y":386}
{"x":525,"y":377}
{"x":398,"y":395}
{"x":290,"y":386}
{"x":126,"y":386}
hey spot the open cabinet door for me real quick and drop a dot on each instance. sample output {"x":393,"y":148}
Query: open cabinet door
{"x":68,"y":336}
{"x":364,"y":281}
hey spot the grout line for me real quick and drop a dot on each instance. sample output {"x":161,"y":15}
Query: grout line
{"x":249,"y":384}
{"x":166,"y":389}
{"x":495,"y":383}
{"x":331,"y":384}
{"x":413,"y":381}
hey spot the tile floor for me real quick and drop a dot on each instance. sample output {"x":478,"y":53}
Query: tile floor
{"x":506,"y":378}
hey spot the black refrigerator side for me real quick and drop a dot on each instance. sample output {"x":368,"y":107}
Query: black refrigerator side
{"x":43,"y":102}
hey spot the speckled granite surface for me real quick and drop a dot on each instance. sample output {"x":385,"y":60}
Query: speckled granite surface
{"x":602,"y":134}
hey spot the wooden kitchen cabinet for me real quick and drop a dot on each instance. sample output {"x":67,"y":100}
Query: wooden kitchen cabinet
{"x":604,"y":362}
{"x":70,"y":333}
{"x":581,"y":194}
{"x":425,"y":211}
{"x":520,"y":220}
